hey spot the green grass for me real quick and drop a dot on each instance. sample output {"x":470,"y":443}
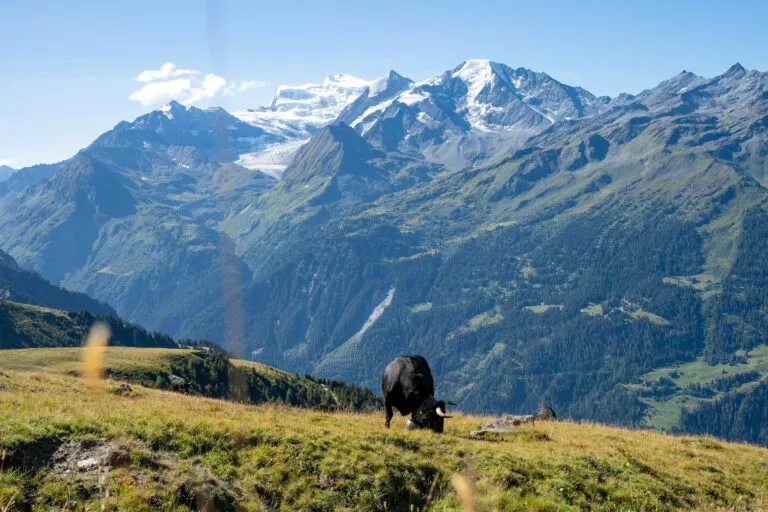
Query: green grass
{"x":543,"y":308}
{"x":31,"y":326}
{"x":153,"y":367}
{"x":701,"y":282}
{"x":665,"y":413}
{"x":182,"y":452}
{"x":593,"y":310}
{"x":484,"y":319}
{"x":123,"y":360}
{"x":699,"y":371}
{"x":421,"y":307}
{"x":651,"y":317}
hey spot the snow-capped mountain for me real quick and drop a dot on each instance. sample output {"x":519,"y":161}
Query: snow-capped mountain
{"x":466,"y":115}
{"x":295,"y":114}
{"x":380,"y":91}
{"x":300,"y":110}
{"x":470,"y":111}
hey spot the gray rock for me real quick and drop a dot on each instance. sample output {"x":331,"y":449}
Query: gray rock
{"x":86,"y":464}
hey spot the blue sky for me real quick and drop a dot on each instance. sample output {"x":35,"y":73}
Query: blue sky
{"x":68,"y":68}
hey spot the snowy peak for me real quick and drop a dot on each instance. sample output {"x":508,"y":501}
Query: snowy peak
{"x":345,"y":81}
{"x":479,"y":73}
{"x":468,"y":112}
{"x":309,"y":106}
{"x":375,"y":96}
{"x":392,"y":81}
{"x":295,"y":114}
{"x":173,"y":108}
{"x":212,"y":132}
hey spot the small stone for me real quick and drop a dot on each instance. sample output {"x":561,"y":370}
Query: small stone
{"x":86,"y":464}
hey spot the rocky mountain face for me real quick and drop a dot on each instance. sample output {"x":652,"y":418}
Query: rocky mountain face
{"x":5,"y":172}
{"x":470,"y":113}
{"x":536,"y":243}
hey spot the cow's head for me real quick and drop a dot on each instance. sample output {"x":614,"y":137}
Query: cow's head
{"x":431,"y":415}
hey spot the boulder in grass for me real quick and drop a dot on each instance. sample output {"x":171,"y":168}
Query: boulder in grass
{"x":509,"y":423}
{"x":179,"y":384}
{"x":545,"y":412}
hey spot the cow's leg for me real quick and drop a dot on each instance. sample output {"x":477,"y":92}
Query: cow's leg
{"x":388,"y":408}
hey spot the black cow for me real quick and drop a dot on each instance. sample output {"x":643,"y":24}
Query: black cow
{"x":408,"y":386}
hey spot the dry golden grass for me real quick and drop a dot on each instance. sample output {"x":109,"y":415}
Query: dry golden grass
{"x":279,"y":458}
{"x":70,"y":360}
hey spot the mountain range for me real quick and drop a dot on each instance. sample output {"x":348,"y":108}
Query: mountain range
{"x":537,"y":243}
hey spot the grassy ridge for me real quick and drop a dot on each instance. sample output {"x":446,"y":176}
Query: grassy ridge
{"x":124,"y":360}
{"x":176,"y":452}
{"x":207,"y":373}
{"x":31,"y":326}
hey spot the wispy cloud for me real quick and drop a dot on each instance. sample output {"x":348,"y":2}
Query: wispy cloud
{"x":159,"y":92}
{"x":167,"y":70}
{"x":187,"y":86}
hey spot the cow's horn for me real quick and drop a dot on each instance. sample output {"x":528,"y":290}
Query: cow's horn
{"x":441,"y":413}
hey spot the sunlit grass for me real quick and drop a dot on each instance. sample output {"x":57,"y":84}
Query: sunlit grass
{"x":273,"y":457}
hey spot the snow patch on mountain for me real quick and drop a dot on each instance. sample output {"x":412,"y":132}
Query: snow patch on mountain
{"x":298,"y":111}
{"x":470,"y":112}
{"x":273,"y":159}
{"x":166,"y":109}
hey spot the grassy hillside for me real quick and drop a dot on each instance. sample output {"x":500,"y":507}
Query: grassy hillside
{"x":207,"y":373}
{"x":668,"y":391}
{"x":19,"y":285}
{"x":29,"y":326}
{"x":67,"y":446}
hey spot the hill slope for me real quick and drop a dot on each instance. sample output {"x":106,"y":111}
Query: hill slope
{"x":206,"y":372}
{"x":19,"y":285}
{"x":67,"y":446}
{"x":28,"y":326}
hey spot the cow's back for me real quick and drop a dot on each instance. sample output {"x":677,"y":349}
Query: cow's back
{"x":407,"y":382}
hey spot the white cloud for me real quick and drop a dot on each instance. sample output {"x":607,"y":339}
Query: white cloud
{"x":167,"y":70}
{"x":159,"y":92}
{"x":7,"y":161}
{"x":250,"y":84}
{"x":185,"y":85}
{"x":209,"y":88}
